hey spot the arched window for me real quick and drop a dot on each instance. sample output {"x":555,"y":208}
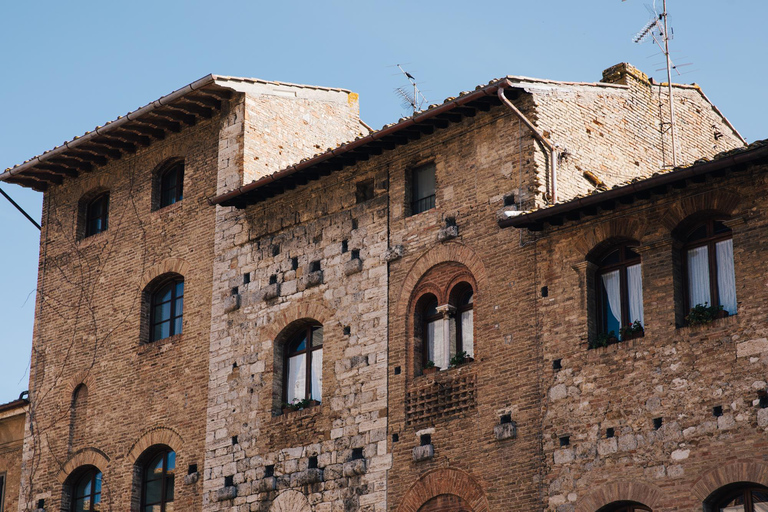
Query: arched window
{"x":170,"y":180}
{"x":158,"y":482}
{"x":708,"y":262}
{"x":97,"y":214}
{"x":166,"y":309}
{"x":619,"y":297}
{"x":625,"y":506}
{"x":742,"y":497}
{"x":78,"y":416}
{"x":86,"y":491}
{"x":303,"y":365}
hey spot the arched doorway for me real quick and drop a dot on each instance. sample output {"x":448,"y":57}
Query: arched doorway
{"x":446,"y":503}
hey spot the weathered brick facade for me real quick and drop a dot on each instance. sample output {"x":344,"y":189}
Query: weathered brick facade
{"x":297,"y":242}
{"x":12,"y":416}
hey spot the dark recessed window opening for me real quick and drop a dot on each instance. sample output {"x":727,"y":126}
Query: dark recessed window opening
{"x":565,"y":440}
{"x":275,"y":250}
{"x":717,"y":411}
{"x":192,"y":469}
{"x":609,"y":433}
{"x":355,"y":254}
{"x":422,"y":189}
{"x":234,"y":440}
{"x":303,"y":365}
{"x":354,"y":223}
{"x":557,"y":364}
{"x":40,"y":502}
{"x":398,"y":370}
{"x":87,"y":492}
{"x":273,"y":279}
{"x":314,"y":266}
{"x":657,"y":423}
{"x":344,"y":246}
{"x":708,"y":264}
{"x":509,"y":200}
{"x":425,"y":439}
{"x":229,"y":481}
{"x":166,"y":310}
{"x":544,"y":291}
{"x":312,"y":464}
{"x":764,"y":401}
{"x":246,"y":278}
{"x":347,"y":330}
{"x":364,"y":191}
{"x":269,"y":471}
{"x":97,"y":215}
{"x":294,"y":263}
{"x":171,"y":182}
{"x":234,"y":365}
{"x":395,"y":438}
{"x":235,"y":290}
{"x":505,"y":418}
{"x":357,"y":453}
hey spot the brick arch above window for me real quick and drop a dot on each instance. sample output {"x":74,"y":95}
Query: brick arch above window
{"x":167,"y":266}
{"x":724,"y":202}
{"x":158,"y":436}
{"x":445,"y":253}
{"x":623,"y":228}
{"x":721,"y":476}
{"x":444,"y":481}
{"x":83,"y":377}
{"x":315,"y":310}
{"x":632,"y":491}
{"x":84,"y":457}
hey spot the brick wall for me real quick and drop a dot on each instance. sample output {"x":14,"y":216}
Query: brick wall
{"x":11,"y":446}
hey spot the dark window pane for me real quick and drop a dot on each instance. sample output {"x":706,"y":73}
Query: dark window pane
{"x":169,"y":488}
{"x":629,"y":254}
{"x":82,"y":505}
{"x":178,"y":307}
{"x":153,"y":490}
{"x":97,"y":489}
{"x":317,"y":336}
{"x":719,"y":227}
{"x":177,"y":325}
{"x":431,"y":309}
{"x":162,"y":331}
{"x":180,"y":289}
{"x":698,"y":233}
{"x":423,"y":189}
{"x":300,"y":344}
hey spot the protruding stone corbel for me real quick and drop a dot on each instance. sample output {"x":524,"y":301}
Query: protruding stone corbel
{"x":393,"y":253}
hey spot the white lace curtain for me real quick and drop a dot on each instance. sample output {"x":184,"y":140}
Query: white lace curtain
{"x":726,"y":280}
{"x":635,"y":294}
{"x":436,"y":347}
{"x":698,"y":276}
{"x":297,"y":373}
{"x":612,"y":285}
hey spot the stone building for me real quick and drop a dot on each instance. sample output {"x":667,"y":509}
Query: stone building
{"x":402,"y":322}
{"x":12,"y":417}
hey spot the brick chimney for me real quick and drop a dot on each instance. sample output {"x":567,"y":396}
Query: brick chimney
{"x":624,"y":73}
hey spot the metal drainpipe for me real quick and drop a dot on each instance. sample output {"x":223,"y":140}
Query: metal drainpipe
{"x":540,"y":138}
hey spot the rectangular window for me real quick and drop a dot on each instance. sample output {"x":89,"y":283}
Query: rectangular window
{"x":2,"y":492}
{"x":423,"y":189}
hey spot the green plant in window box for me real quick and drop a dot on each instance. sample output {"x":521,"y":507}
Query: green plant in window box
{"x":461,"y":358}
{"x":629,"y":332}
{"x":701,"y":314}
{"x":298,"y":404}
{"x":603,"y":339}
{"x":430,"y":368}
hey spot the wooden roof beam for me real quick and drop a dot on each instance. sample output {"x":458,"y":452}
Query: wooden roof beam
{"x":76,"y":163}
{"x":144,"y":128}
{"x":194,"y":109}
{"x":162,"y":123}
{"x":132,"y":137}
{"x":87,"y":156}
{"x":206,"y":101}
{"x":117,"y":143}
{"x":45,"y":175}
{"x":176,"y":115}
{"x":93,"y":147}
{"x":59,"y":169}
{"x":223,"y":94}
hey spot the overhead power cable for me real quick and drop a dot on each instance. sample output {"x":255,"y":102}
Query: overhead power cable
{"x":19,"y":208}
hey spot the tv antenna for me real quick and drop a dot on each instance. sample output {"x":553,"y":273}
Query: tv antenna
{"x":657,"y":28}
{"x":414,"y":100}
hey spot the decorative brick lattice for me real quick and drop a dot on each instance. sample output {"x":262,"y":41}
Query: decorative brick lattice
{"x":439,"y":399}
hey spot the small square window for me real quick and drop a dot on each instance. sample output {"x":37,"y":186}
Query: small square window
{"x":425,"y":439}
{"x":565,"y":441}
{"x":422,"y":189}
{"x":269,"y":471}
{"x":312,"y":464}
{"x":365,"y":191}
{"x":357,"y":453}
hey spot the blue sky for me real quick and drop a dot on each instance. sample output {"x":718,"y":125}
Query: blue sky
{"x":69,"y":66}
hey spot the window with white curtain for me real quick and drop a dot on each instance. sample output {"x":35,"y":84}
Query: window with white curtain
{"x":435,"y":347}
{"x":462,"y":328}
{"x":708,"y":259}
{"x":304,"y":365}
{"x":619,"y":291}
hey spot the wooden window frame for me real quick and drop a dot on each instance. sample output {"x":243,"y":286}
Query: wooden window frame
{"x":177,"y":168}
{"x":90,"y":218}
{"x":746,"y":492}
{"x":425,"y":203}
{"x":92,"y":472}
{"x":163,"y":479}
{"x":309,"y":349}
{"x":622,"y":265}
{"x":173,"y":282}
{"x":710,"y":241}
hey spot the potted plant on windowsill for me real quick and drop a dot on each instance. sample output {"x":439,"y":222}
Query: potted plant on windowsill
{"x":701,"y":314}
{"x":630,"y":332}
{"x":603,"y":339}
{"x":461,"y":358}
{"x":430,"y":368}
{"x":298,"y":404}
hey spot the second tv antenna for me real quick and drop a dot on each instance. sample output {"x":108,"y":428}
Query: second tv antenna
{"x":414,"y":100}
{"x":657,"y":28}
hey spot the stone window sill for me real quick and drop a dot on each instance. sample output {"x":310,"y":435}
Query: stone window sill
{"x":446,"y":371}
{"x":702,"y":327}
{"x":160,"y":346}
{"x":282,"y":417}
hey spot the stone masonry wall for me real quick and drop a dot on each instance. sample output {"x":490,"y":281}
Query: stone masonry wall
{"x":613,"y":130}
{"x":264,"y":285}
{"x":88,"y":327}
{"x":677,"y":374}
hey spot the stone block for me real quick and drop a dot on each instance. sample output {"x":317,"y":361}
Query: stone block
{"x":425,"y":452}
{"x":353,"y":267}
{"x":354,"y":467}
{"x":265,"y":484}
{"x":232,"y":303}
{"x":191,"y":478}
{"x":313,"y":279}
{"x":226,"y":493}
{"x":270,"y":292}
{"x":394,"y":253}
{"x":447,"y":233}
{"x":505,"y":431}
